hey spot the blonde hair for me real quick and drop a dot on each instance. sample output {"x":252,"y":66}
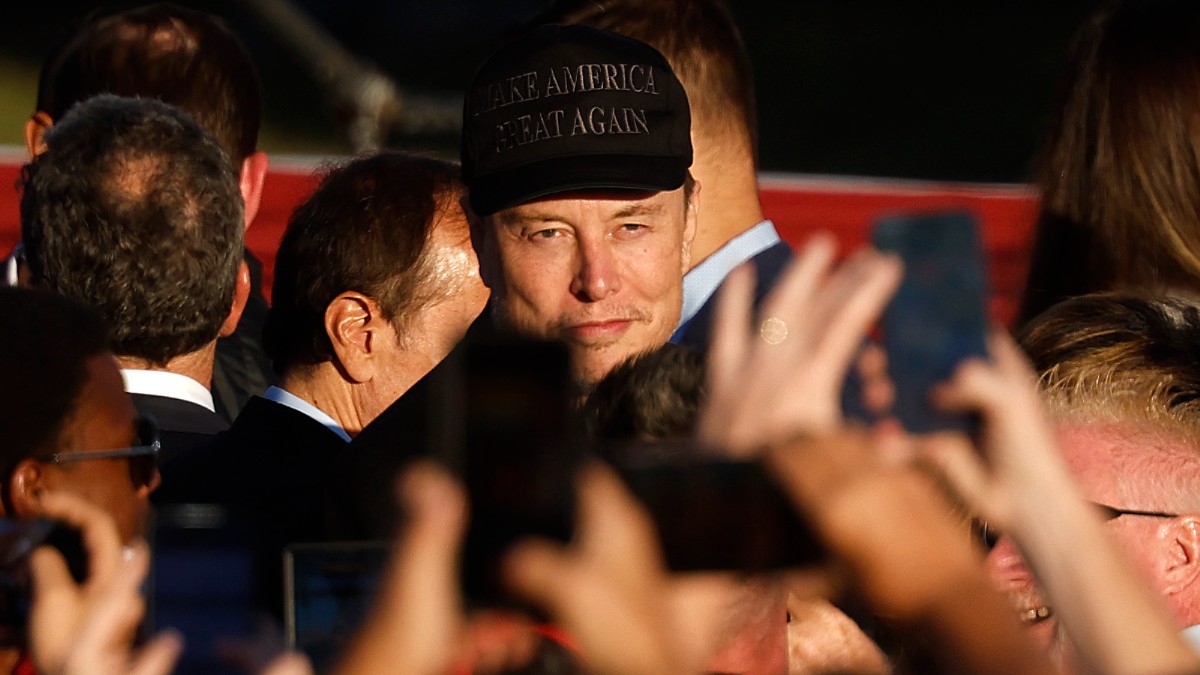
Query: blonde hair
{"x":1121,"y":357}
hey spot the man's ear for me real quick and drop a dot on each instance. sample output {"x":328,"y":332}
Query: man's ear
{"x":35,"y":133}
{"x":254,"y":174}
{"x":355,"y":323}
{"x":481,"y":242}
{"x":1181,"y":565}
{"x":25,"y":487}
{"x":241,"y":293}
{"x":691,"y":218}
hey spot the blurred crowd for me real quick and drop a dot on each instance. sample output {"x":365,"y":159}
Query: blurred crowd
{"x":572,"y":404}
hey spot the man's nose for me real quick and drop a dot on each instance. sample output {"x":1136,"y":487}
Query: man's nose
{"x":1005,"y":565}
{"x":596,"y":275}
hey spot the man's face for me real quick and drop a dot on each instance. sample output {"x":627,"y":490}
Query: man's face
{"x":1098,"y":457}
{"x":104,"y":419}
{"x":601,"y":272}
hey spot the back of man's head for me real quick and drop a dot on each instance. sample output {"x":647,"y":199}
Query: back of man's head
{"x":366,"y":229}
{"x":135,"y":210}
{"x":44,"y":358}
{"x":1120,"y":357}
{"x":181,"y":56}
{"x":700,"y":40}
{"x":651,"y":397}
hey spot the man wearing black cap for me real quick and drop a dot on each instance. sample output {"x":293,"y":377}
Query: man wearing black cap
{"x":576,"y":148}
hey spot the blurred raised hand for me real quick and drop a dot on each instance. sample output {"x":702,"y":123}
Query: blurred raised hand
{"x":417,"y":622}
{"x":610,"y":589}
{"x":89,"y":628}
{"x":781,"y":375}
{"x":1018,"y":480}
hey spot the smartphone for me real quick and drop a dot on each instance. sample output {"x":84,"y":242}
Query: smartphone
{"x":202,"y":581}
{"x":938,"y":317}
{"x":329,"y":588}
{"x":505,"y":422}
{"x":716,"y":514}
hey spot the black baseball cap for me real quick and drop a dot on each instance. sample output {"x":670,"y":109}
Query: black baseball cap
{"x":573,"y":108}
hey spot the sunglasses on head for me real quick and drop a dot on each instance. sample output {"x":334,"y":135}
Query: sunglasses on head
{"x":142,"y":454}
{"x":989,"y":536}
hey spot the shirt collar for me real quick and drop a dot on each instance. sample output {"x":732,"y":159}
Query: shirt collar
{"x":171,"y":385}
{"x":704,"y":279}
{"x":286,"y":398}
{"x":1191,"y":635}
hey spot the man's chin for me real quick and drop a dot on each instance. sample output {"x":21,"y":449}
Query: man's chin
{"x":586,"y":375}
{"x":591,"y":364}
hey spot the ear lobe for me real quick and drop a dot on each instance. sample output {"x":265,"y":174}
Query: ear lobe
{"x":35,"y":133}
{"x":351,"y":321}
{"x":241,"y":294}
{"x":250,"y":182}
{"x":691,"y":218}
{"x":1182,"y":564}
{"x":25,"y":487}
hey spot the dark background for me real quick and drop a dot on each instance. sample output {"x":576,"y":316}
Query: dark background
{"x":943,"y":90}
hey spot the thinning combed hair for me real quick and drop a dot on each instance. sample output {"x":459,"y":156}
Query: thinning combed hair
{"x":365,"y":229}
{"x":135,"y":211}
{"x":700,"y":40}
{"x":180,"y":56}
{"x":1121,"y":357}
{"x":1120,"y":170}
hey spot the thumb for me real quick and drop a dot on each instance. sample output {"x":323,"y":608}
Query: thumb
{"x":50,"y":573}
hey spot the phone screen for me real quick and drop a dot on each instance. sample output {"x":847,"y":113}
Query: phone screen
{"x":329,"y":590}
{"x":201,"y":582}
{"x":938,"y":317}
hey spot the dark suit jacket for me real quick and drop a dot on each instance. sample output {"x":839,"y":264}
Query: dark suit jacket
{"x":768,"y":266}
{"x":182,"y":426}
{"x":242,"y":369}
{"x":414,"y":427}
{"x":276,"y":470}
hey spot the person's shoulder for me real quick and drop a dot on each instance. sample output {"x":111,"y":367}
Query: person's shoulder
{"x":269,"y":444}
{"x":174,"y":415}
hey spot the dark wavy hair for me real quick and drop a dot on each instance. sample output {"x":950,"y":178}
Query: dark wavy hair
{"x":180,"y":56}
{"x":364,"y":229}
{"x":135,"y":210}
{"x":654,"y":396}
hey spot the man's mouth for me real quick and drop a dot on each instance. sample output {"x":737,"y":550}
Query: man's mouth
{"x":1035,"y":615}
{"x":593,"y":331}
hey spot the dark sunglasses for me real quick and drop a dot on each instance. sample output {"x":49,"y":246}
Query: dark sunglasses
{"x":988,"y":536}
{"x":142,"y":455}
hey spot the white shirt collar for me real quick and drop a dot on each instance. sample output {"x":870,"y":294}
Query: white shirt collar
{"x":1191,"y":635}
{"x":704,"y":279}
{"x":171,"y":385}
{"x":12,"y":275}
{"x":286,"y":398}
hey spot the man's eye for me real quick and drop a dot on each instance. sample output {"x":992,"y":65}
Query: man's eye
{"x":632,"y":229}
{"x":544,"y":234}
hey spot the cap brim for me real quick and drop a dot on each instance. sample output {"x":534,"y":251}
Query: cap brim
{"x":518,"y":185}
